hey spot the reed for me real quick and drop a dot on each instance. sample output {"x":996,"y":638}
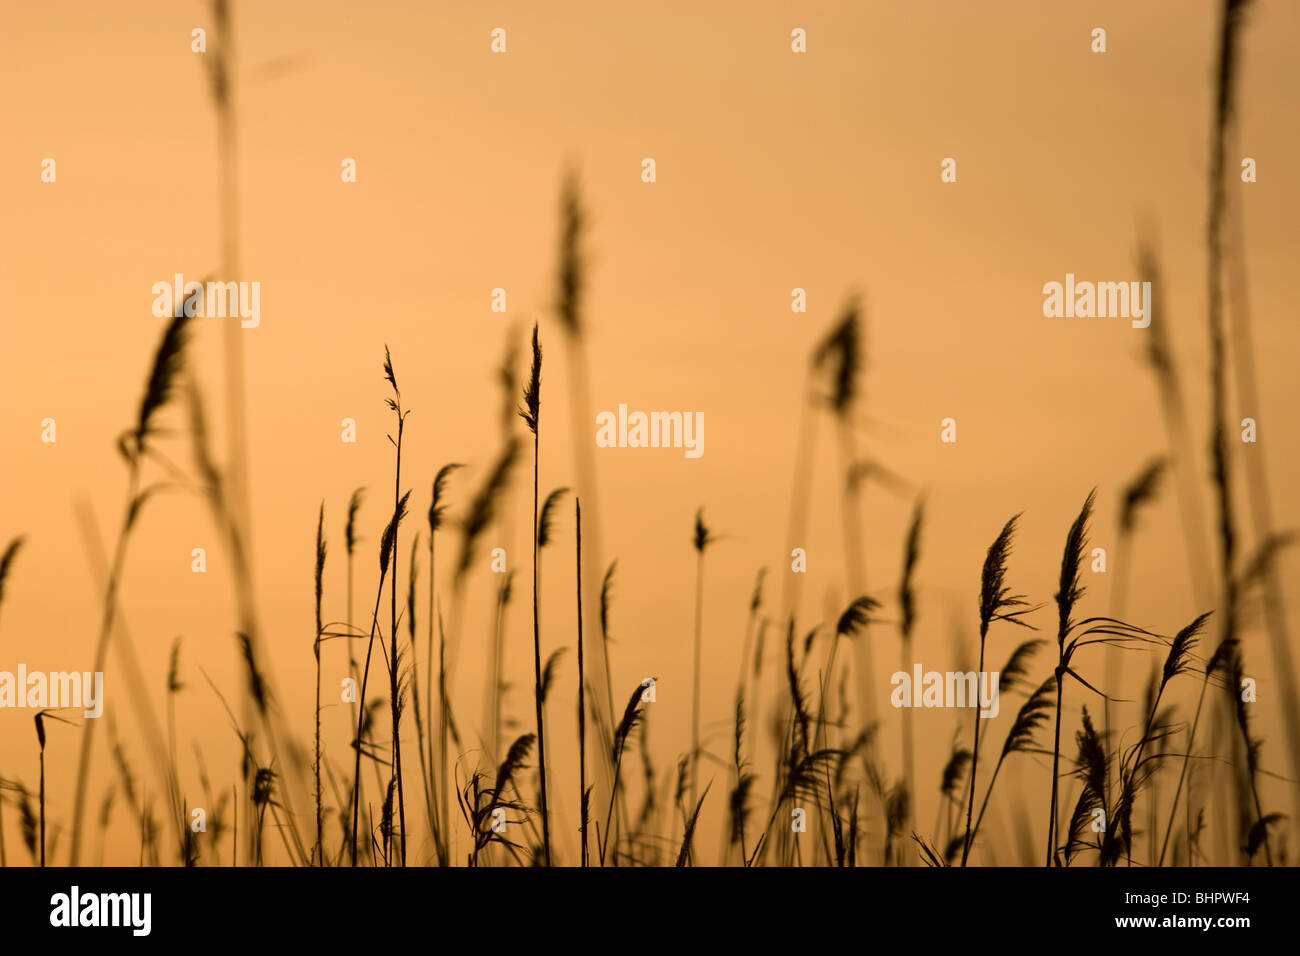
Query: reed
{"x":907,"y":621}
{"x":436,"y":519}
{"x":6,"y":563}
{"x":584,"y":794}
{"x":134,"y":445}
{"x":631,"y":717}
{"x":997,"y":603}
{"x":1177,"y":661}
{"x":531,"y":414}
{"x":570,"y":309}
{"x":700,"y":540}
{"x":395,"y":692}
{"x":318,"y":852}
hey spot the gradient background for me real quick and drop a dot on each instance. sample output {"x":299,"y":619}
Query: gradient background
{"x":775,"y":171}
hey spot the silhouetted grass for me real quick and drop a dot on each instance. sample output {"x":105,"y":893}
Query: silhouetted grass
{"x":531,"y":414}
{"x":997,"y":603}
{"x":822,"y":757}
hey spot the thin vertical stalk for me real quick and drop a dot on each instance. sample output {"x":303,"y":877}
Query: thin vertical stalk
{"x":1260,"y":499}
{"x":439,"y":849}
{"x":384,"y":554}
{"x":1222,"y":118}
{"x":695,"y":694}
{"x":569,"y":309}
{"x":532,"y":414}
{"x":42,"y":806}
{"x":1182,"y":776}
{"x":101,"y":652}
{"x":701,"y":540}
{"x":974,"y":754}
{"x":1056,"y":757}
{"x":395,"y":404}
{"x":319,"y":853}
{"x":1111,"y":655}
{"x":582,"y":712}
{"x":537,"y":670}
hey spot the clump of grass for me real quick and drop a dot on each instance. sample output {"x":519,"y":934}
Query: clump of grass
{"x":223,"y":497}
{"x":805,"y":765}
{"x":1091,"y":769}
{"x":479,"y":804}
{"x":1219,"y":661}
{"x":852,"y":624}
{"x":478,"y":518}
{"x":804,"y":770}
{"x":1072,"y":636}
{"x":1178,"y":661}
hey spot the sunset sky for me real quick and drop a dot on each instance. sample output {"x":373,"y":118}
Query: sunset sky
{"x":775,"y":171}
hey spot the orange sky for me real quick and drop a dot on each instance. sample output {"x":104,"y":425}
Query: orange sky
{"x":775,"y":171}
